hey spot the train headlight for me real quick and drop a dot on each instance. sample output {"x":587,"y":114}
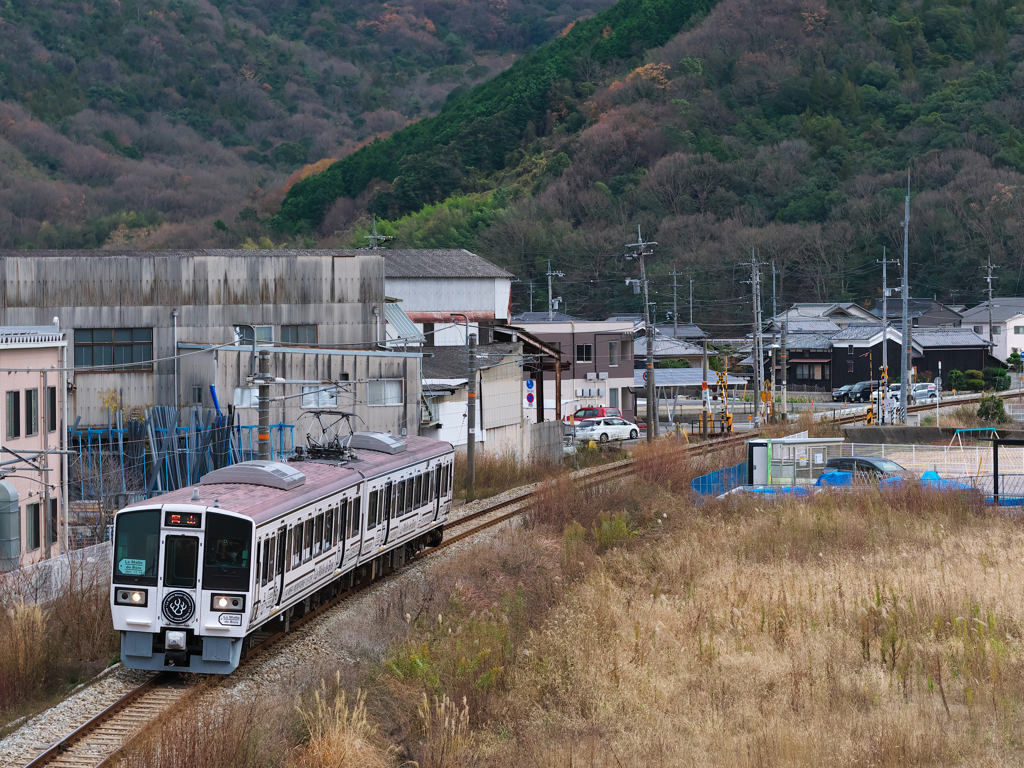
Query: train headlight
{"x":229,"y":603}
{"x":137,"y":597}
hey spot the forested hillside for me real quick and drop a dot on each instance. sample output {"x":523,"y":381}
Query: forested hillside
{"x":159,"y":118}
{"x":788,"y":127}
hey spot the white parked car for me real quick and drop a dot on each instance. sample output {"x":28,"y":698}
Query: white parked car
{"x":606,"y":429}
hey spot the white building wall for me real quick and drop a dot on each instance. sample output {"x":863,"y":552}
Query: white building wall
{"x":1005,"y":337}
{"x":462,"y":294}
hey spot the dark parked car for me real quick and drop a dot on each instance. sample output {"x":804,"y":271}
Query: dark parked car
{"x":841,"y":394}
{"x":861,"y":391}
{"x":869,"y":466}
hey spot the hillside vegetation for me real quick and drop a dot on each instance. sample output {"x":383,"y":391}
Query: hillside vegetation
{"x":158,"y":117}
{"x":788,"y":127}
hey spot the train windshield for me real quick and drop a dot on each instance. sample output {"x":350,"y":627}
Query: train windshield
{"x":226,"y":559}
{"x":137,"y":547}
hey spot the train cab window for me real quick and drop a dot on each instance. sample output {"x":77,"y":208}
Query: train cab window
{"x":296,"y":534}
{"x":330,"y":530}
{"x":181,"y":561}
{"x":137,"y":547}
{"x":372,"y":512}
{"x":318,"y":535}
{"x":356,"y":518}
{"x":307,"y":540}
{"x":265,"y":570}
{"x":227,"y":552}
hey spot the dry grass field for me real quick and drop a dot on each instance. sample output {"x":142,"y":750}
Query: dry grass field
{"x":627,"y":627}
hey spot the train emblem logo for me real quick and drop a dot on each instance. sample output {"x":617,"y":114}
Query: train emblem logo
{"x":179,"y":607}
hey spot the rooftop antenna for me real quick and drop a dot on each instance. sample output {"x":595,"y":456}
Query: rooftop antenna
{"x":375,"y":238}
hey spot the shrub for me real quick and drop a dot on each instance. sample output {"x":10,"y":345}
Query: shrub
{"x":991,"y":408}
{"x":956,"y":380}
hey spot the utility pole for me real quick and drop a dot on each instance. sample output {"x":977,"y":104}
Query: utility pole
{"x":675,"y":306}
{"x":471,"y":422}
{"x":691,"y":301}
{"x":531,"y":296}
{"x":775,"y":309}
{"x":704,"y":392}
{"x":263,"y":433}
{"x":785,"y":362}
{"x":552,"y":301}
{"x":885,"y":321}
{"x":642,"y":250}
{"x":755,"y":282}
{"x":905,"y":362}
{"x":991,"y":335}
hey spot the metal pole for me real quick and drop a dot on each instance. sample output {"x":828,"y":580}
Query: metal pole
{"x":471,"y":403}
{"x":785,"y":363}
{"x":704,"y":392}
{"x":652,"y":406}
{"x":551,"y":304}
{"x":691,"y":301}
{"x":675,"y":307}
{"x":907,"y":352}
{"x":263,"y":440}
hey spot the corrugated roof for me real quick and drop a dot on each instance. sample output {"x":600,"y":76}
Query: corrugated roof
{"x":542,"y":317}
{"x":946,"y":337}
{"x":30,"y":334}
{"x":1003,"y":308}
{"x":399,"y":327}
{"x":438,"y":262}
{"x":450,"y":363}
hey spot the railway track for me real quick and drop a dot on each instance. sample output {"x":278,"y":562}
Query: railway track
{"x":101,"y":740}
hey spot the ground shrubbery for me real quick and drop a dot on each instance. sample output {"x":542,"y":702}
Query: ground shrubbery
{"x":47,"y":649}
{"x":623,"y":626}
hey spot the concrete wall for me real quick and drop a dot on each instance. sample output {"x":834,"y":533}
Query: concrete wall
{"x":545,"y":441}
{"x":481,"y":297}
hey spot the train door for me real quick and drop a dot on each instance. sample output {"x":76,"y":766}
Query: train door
{"x":352,"y":531}
{"x":437,"y":492}
{"x":282,"y":553}
{"x":387,"y":509}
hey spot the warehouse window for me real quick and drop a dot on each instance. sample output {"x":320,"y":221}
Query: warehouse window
{"x":384,"y":392}
{"x":298,"y":334}
{"x":122,"y":347}
{"x":264,"y":334}
{"x":32,"y":537}
{"x":320,"y":396}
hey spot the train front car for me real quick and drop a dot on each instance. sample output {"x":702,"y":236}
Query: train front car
{"x":180,"y":584}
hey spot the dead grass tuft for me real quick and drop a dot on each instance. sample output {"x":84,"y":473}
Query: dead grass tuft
{"x":340,"y":734}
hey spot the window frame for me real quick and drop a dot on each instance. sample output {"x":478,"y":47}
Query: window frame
{"x":31,"y":411}
{"x":51,"y":409}
{"x":299,"y":330}
{"x":318,"y":397}
{"x":33,"y":536}
{"x":584,"y":353}
{"x":613,"y":354}
{"x":264,"y":335}
{"x":385,"y":398}
{"x":12,"y":409}
{"x":82,"y":344}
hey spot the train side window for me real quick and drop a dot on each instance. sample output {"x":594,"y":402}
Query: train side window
{"x":288,"y":549}
{"x":400,"y":499}
{"x":357,"y":517}
{"x":318,"y":535}
{"x":307,"y":540}
{"x":330,"y":531}
{"x":419,"y":491}
{"x":392,"y":500}
{"x":410,"y":487}
{"x":343,"y":519}
{"x":265,"y":572}
{"x":273,"y":558}
{"x":436,"y":483}
{"x":297,"y":545}
{"x":372,"y":522}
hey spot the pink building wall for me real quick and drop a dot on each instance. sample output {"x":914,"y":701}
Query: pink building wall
{"x":32,"y":413}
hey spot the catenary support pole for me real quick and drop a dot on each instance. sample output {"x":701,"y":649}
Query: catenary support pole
{"x":263,"y":435}
{"x":471,"y":418}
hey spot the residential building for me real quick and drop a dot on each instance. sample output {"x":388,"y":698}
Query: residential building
{"x":321,"y":314}
{"x":499,"y":401}
{"x":924,"y":313}
{"x":668,"y":349}
{"x":33,"y":415}
{"x":1007,"y":334}
{"x":841,"y":314}
{"x":948,"y":349}
{"x":857,"y":353}
{"x":443,"y":290}
{"x":596,"y":361}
